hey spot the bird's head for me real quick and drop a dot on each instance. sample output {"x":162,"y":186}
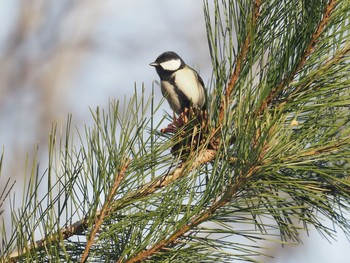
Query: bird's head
{"x":167,"y":63}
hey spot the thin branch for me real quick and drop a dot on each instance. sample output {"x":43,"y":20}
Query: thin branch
{"x":335,"y":59}
{"x":230,"y":192}
{"x":205,"y":215}
{"x":202,"y":217}
{"x":65,"y":233}
{"x":204,"y":156}
{"x":310,"y":48}
{"x":326,"y":148}
{"x":239,"y":61}
{"x":73,"y":229}
{"x":105,"y":211}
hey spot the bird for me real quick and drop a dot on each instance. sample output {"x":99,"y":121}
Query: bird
{"x":180,"y":84}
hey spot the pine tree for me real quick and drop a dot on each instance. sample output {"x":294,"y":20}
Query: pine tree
{"x":268,"y":161}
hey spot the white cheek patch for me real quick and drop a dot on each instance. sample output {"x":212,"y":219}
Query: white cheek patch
{"x":171,"y":65}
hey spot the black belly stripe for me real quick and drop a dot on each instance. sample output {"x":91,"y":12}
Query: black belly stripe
{"x":185,"y":102}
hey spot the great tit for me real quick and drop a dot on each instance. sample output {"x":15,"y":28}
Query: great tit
{"x":181,"y":85}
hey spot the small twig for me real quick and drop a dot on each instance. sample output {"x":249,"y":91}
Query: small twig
{"x":104,"y":211}
{"x":238,"y":62}
{"x":204,"y":156}
{"x":326,"y":148}
{"x":205,"y":215}
{"x":77,"y":227}
{"x":65,"y":233}
{"x":335,"y":59}
{"x":310,"y":48}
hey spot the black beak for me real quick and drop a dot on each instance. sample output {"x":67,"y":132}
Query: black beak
{"x":154,"y":64}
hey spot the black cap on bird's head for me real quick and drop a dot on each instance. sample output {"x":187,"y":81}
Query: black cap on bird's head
{"x":167,"y":63}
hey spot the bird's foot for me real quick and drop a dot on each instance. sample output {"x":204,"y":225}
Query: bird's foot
{"x":170,"y":129}
{"x":177,"y":123}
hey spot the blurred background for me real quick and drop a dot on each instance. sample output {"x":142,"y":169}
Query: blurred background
{"x":61,"y":57}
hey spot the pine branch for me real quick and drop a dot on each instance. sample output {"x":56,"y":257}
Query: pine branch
{"x":340,"y":55}
{"x":240,"y":59}
{"x":112,"y":206}
{"x":104,"y":211}
{"x":198,"y":219}
{"x":310,"y":48}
